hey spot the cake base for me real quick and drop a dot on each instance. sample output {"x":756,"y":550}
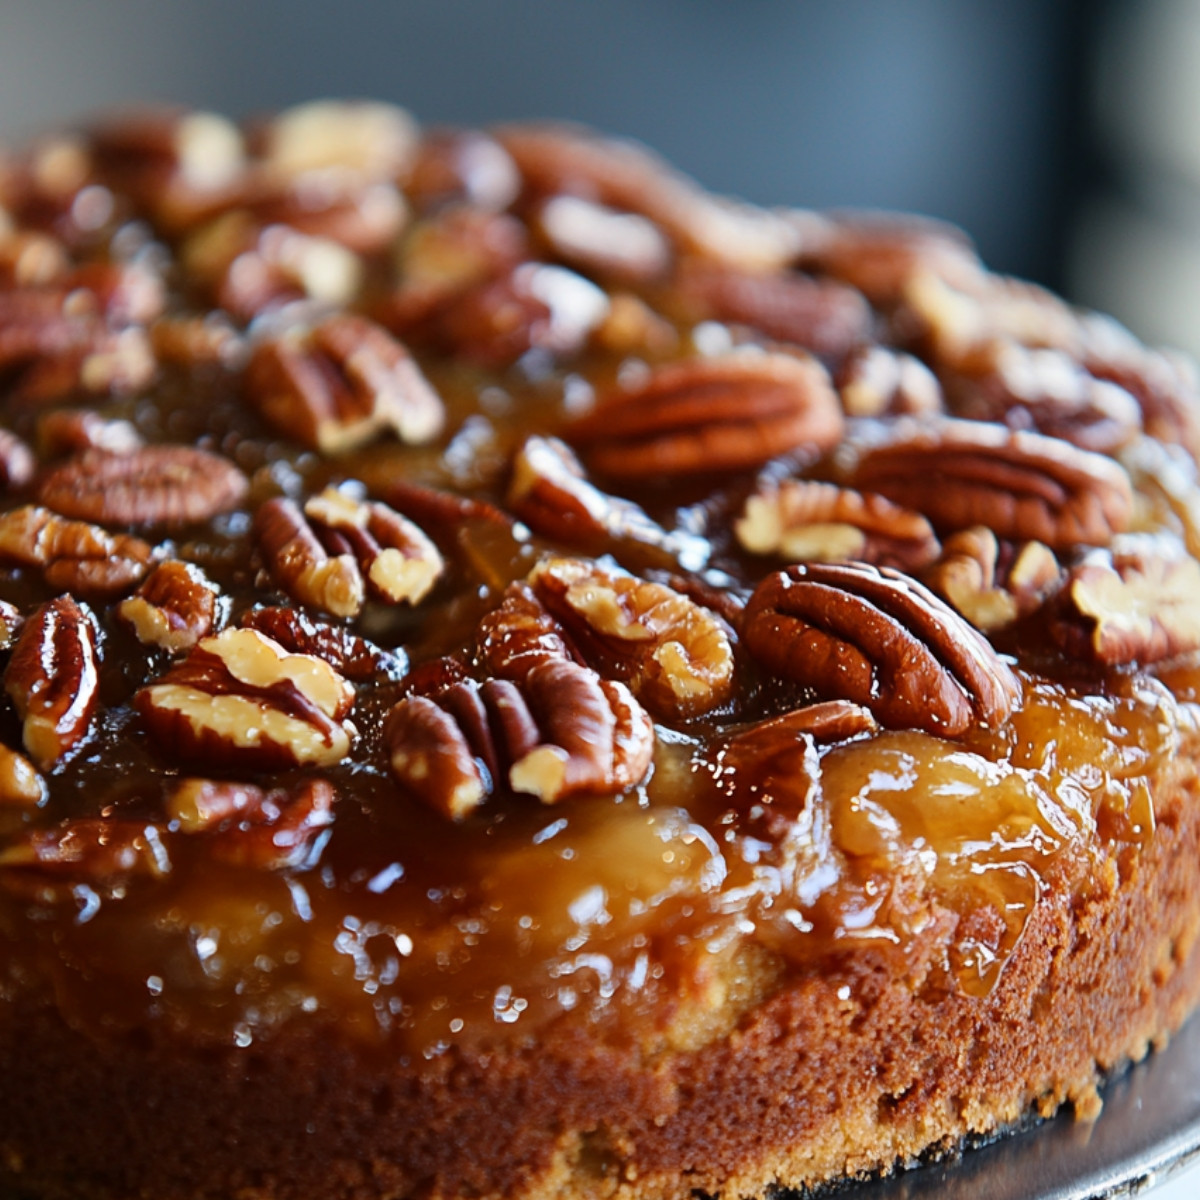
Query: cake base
{"x":837,"y":1075}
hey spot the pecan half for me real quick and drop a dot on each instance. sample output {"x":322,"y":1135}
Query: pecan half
{"x":991,"y":584}
{"x":1022,"y":485}
{"x":399,"y":563}
{"x":561,"y":732}
{"x":1047,"y":391}
{"x":1137,"y":603}
{"x":349,"y":655}
{"x":601,"y":241}
{"x":74,"y":555}
{"x":340,"y":384}
{"x":53,"y":679}
{"x":825,"y":317}
{"x":248,"y":826}
{"x":154,"y":485}
{"x":175,"y":606}
{"x":711,"y":414}
{"x":880,"y":639}
{"x":240,"y":699}
{"x":1165,"y":385}
{"x":46,"y":865}
{"x":802,"y":520}
{"x":623,"y":175}
{"x":551,"y":494}
{"x":676,"y":656}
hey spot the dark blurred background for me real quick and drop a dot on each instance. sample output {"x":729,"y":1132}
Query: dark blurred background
{"x":1017,"y":119}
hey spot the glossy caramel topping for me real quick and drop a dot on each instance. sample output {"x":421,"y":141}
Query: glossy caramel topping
{"x":638,"y":778}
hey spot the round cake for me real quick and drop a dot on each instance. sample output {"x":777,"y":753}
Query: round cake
{"x":525,"y":679}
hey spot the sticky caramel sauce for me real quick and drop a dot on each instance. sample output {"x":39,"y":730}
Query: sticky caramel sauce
{"x":409,"y":930}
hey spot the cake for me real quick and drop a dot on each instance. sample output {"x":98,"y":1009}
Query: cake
{"x":524,"y":678}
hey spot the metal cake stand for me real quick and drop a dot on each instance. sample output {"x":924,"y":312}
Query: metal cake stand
{"x":1148,"y":1131}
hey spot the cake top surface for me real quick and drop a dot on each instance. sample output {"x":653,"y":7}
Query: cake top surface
{"x":460,"y":582}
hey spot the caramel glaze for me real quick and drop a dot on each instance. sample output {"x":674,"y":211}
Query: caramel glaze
{"x":410,"y":931}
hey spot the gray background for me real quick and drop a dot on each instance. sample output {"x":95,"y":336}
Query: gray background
{"x":960,"y":108}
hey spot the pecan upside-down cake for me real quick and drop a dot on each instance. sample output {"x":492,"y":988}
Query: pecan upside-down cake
{"x":523,"y":678}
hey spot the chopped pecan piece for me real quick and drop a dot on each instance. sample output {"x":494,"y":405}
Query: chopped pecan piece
{"x":250,"y":270}
{"x":72,"y":554}
{"x":711,"y":414}
{"x":520,"y":635}
{"x":53,"y":679}
{"x":341,"y":383}
{"x":956,"y":320}
{"x":562,"y":731}
{"x":46,"y":865}
{"x":154,"y":485}
{"x":248,"y":826}
{"x":453,"y":166}
{"x":990,"y":584}
{"x":551,"y":494}
{"x":72,"y":430}
{"x":20,"y":784}
{"x":197,"y":341}
{"x":770,"y":768}
{"x":825,"y":317}
{"x":830,"y":721}
{"x":10,"y":623}
{"x":175,"y":606}
{"x":880,"y":639}
{"x":876,"y":381}
{"x":366,"y":138}
{"x":348,"y":654}
{"x":367,"y":541}
{"x":300,"y":564}
{"x":1136,"y":603}
{"x":1022,"y":485}
{"x":59,"y":351}
{"x":556,"y":158}
{"x":16,"y":462}
{"x":802,"y":521}
{"x":882,"y":255}
{"x":536,"y":306}
{"x":676,"y":656}
{"x":151,"y":149}
{"x":400,"y":564}
{"x":240,"y":699}
{"x":31,"y":259}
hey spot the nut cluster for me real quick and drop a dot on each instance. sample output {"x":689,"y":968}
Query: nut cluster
{"x":541,"y":461}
